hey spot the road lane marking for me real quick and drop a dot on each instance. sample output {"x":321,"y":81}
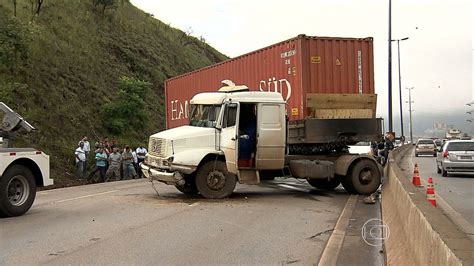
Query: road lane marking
{"x":334,"y":244}
{"x":86,"y":196}
{"x":194,"y":204}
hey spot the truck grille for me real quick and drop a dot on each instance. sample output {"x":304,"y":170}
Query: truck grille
{"x":157,"y":147}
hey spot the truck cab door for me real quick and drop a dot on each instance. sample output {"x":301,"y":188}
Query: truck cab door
{"x":270,"y":136}
{"x":228,"y":136}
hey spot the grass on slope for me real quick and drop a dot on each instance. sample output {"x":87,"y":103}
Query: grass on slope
{"x":72,"y":59}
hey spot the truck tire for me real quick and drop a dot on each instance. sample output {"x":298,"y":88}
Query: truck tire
{"x":347,"y":184}
{"x":365,"y":177}
{"x":189,"y":188}
{"x":324,"y":183}
{"x":17,"y":191}
{"x":213,"y":180}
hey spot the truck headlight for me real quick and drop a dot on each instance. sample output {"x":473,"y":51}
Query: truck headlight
{"x":168,"y":161}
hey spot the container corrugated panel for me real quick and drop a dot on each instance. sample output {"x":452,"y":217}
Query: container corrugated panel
{"x":293,"y":67}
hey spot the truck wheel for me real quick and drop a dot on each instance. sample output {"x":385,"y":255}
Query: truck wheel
{"x":324,"y":183}
{"x":17,"y":191}
{"x":189,"y":188}
{"x":365,"y":177}
{"x":214,"y":181}
{"x":347,"y":184}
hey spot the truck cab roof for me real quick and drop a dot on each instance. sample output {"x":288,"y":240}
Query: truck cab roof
{"x":241,"y":96}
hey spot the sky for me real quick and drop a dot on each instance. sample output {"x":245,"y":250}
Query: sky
{"x":437,"y":59}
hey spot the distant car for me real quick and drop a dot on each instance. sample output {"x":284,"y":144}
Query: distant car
{"x":438,"y":142}
{"x":456,"y":157}
{"x":425,"y":147}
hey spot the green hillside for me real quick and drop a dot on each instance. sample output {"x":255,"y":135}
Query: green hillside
{"x":61,"y":69}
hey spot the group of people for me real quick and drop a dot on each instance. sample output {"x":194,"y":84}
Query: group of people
{"x":110,"y":160}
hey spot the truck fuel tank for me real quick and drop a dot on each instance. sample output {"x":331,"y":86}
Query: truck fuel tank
{"x":312,"y":169}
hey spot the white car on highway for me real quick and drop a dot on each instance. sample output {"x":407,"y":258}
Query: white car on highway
{"x":456,"y":157}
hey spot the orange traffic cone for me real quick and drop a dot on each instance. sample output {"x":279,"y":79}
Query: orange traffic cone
{"x":430,"y":192}
{"x":416,"y":177}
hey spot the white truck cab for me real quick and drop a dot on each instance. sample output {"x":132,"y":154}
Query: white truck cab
{"x":217,"y":126}
{"x":233,"y":136}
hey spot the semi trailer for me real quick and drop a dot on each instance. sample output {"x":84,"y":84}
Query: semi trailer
{"x":301,"y":103}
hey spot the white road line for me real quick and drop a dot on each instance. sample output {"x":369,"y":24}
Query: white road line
{"x":86,"y":196}
{"x":331,"y":251}
{"x":194,"y":204}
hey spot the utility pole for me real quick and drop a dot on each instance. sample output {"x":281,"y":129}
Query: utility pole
{"x":411,"y":110}
{"x":400,"y":84}
{"x":390,"y":122}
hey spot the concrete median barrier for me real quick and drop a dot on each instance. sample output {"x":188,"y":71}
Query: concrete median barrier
{"x":420,"y":234}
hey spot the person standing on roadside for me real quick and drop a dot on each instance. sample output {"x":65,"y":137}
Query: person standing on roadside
{"x":80,"y":161}
{"x":135,"y":162}
{"x":127,"y":159}
{"x":141,"y":152}
{"x":87,"y":149}
{"x":115,"y":159}
{"x":101,"y":162}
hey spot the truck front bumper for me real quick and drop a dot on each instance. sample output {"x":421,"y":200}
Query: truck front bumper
{"x":166,"y":176}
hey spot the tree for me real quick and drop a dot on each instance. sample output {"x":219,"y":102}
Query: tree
{"x":105,"y":4}
{"x":13,"y":44}
{"x":14,"y":7}
{"x":35,"y":8}
{"x":127,"y":110}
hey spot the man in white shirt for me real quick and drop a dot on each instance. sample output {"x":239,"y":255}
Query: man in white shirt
{"x":80,"y":161}
{"x":141,"y":152}
{"x":87,"y":149}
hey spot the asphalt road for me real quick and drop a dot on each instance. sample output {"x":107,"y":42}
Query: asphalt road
{"x":456,"y":190}
{"x":127,"y":223}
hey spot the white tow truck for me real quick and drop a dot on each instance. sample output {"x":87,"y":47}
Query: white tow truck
{"x":22,"y":170}
{"x":236,"y":135}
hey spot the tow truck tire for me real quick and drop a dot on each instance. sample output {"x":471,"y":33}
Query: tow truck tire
{"x":365,"y":177}
{"x":17,"y":191}
{"x":213,"y":180}
{"x":189,"y":188}
{"x":324,"y":183}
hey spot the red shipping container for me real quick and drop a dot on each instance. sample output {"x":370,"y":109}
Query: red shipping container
{"x":293,"y":67}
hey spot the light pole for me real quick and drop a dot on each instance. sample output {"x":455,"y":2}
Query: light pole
{"x":390,"y":122}
{"x":400,"y":85}
{"x":411,"y":110}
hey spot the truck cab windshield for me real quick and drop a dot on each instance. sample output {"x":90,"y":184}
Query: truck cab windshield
{"x":204,"y":115}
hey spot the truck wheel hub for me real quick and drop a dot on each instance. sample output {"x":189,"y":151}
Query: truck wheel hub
{"x":365,"y":176}
{"x":17,"y":190}
{"x":216,"y":180}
